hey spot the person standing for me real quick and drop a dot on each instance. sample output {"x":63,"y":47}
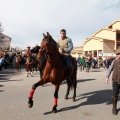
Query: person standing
{"x":82,"y":63}
{"x":115,"y":67}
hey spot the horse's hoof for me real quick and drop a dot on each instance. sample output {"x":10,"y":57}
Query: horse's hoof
{"x":54,"y":110}
{"x":73,"y":99}
{"x":66,"y":97}
{"x":30,"y":103}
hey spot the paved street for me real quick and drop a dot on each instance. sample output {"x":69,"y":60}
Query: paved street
{"x":93,"y":100}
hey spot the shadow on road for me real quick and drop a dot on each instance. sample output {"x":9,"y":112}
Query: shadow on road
{"x":6,"y":75}
{"x":93,"y":98}
{"x":1,"y":90}
{"x":85,"y":80}
{"x":10,"y":80}
{"x":95,"y":71}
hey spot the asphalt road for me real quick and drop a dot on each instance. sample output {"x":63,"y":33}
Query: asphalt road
{"x":93,"y":101}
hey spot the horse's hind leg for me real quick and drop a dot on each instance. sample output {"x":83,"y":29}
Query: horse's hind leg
{"x":20,"y":67}
{"x":74,"y":85}
{"x":36,"y":69}
{"x":68,"y":90}
{"x":31,"y":74}
{"x":26,"y":73}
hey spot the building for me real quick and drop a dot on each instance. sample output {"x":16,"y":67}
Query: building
{"x":4,"y":43}
{"x":104,"y":42}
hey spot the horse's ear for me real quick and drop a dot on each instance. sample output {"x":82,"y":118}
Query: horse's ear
{"x":44,"y":35}
{"x":48,"y":35}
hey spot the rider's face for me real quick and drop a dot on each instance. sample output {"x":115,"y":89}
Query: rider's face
{"x":63,"y":35}
{"x":118,"y":56}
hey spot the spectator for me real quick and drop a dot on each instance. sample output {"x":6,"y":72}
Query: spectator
{"x":2,"y":61}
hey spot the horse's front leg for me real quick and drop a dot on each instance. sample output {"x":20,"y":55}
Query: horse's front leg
{"x":54,"y":110}
{"x":30,"y":101}
{"x":20,"y":67}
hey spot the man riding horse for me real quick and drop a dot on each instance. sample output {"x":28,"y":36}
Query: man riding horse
{"x":28,"y":51}
{"x":55,"y":68}
{"x":18,"y":61}
{"x":65,"y":46}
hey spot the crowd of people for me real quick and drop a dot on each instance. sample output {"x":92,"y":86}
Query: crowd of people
{"x":8,"y":60}
{"x":91,"y":62}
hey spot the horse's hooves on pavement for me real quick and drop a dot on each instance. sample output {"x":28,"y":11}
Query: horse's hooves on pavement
{"x":73,"y":99}
{"x":54,"y":111}
{"x":66,"y":97}
{"x":30,"y":103}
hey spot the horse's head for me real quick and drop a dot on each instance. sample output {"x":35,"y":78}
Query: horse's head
{"x":48,"y":46}
{"x":35,"y":49}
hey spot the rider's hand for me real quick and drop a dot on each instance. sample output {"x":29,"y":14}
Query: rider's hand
{"x":107,"y":81}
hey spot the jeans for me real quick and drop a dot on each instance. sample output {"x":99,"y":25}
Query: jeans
{"x":68,"y":62}
{"x":116,"y":88}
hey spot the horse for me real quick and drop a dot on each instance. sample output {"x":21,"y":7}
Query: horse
{"x":34,"y":68}
{"x":55,"y":71}
{"x":18,"y":62}
{"x":29,"y":65}
{"x":34,"y":52}
{"x":38,"y":62}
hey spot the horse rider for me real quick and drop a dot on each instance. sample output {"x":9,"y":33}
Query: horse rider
{"x":28,"y":51}
{"x":17,"y":54}
{"x":65,"y":45}
{"x":115,"y":67}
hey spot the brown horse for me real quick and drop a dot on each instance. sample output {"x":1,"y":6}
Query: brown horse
{"x":55,"y":70}
{"x":29,"y":65}
{"x":18,"y":62}
{"x":38,"y":62}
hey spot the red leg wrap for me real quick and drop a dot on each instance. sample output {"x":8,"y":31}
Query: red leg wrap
{"x":55,"y":101}
{"x":31,"y":93}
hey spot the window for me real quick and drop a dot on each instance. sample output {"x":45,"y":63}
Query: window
{"x":118,"y":37}
{"x":2,"y":37}
{"x":118,"y":46}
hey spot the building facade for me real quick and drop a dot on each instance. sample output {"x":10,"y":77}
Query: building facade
{"x":104,"y":42}
{"x":77,"y":52}
{"x":4,"y":43}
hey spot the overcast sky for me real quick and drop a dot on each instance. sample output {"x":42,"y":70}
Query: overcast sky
{"x":26,"y":20}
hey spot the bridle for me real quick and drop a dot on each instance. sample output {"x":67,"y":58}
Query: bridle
{"x":46,"y":51}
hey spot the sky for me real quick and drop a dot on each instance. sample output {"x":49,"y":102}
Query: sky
{"x":26,"y":20}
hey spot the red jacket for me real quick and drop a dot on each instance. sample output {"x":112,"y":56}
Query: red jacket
{"x":27,"y":52}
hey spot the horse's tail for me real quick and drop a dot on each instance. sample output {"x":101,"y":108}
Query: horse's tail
{"x":71,"y":82}
{"x":74,"y":74}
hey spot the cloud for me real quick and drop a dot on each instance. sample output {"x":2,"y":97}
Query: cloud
{"x":26,"y":20}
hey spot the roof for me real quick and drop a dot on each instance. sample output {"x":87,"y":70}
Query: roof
{"x":108,"y":28}
{"x":6,"y":36}
{"x":77,"y":51}
{"x":113,"y":23}
{"x":97,"y":38}
{"x":114,"y":30}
